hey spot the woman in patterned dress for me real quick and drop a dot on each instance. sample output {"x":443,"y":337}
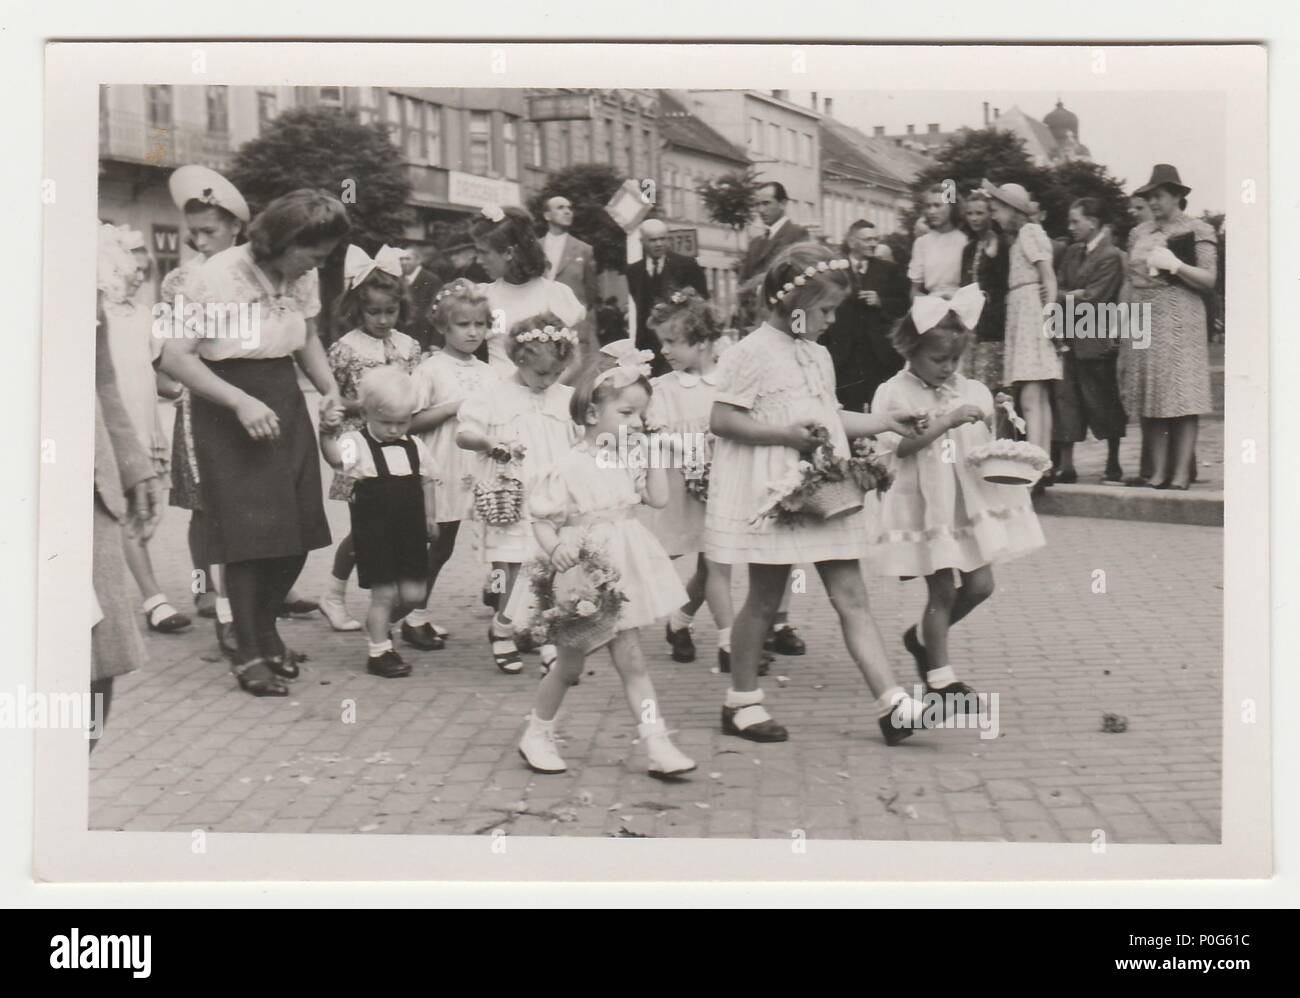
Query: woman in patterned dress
{"x":1168,"y":384}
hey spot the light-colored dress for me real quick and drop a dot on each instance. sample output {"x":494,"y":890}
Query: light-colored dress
{"x":681,"y":406}
{"x":939,"y":513}
{"x":1171,"y":377}
{"x":511,"y":303}
{"x":778,"y":379}
{"x":441,"y":379}
{"x":595,"y":506}
{"x":1029,"y":354}
{"x":506,"y":411}
{"x":350,"y":357}
{"x":134,"y":349}
{"x":936,"y":261}
{"x":184,"y":465}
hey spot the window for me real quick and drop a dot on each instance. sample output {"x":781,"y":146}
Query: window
{"x":371,"y":105}
{"x":755,"y":135}
{"x":566,"y":151}
{"x":629,"y":148}
{"x":510,"y":144}
{"x":480,"y":143}
{"x":413,"y":131}
{"x":805,"y":149}
{"x":267,"y":108}
{"x":218,"y":111}
{"x":533,"y":144}
{"x":647,"y":153}
{"x":330,"y":96}
{"x":160,"y":107}
{"x":773,"y":141}
{"x":791,"y":146}
{"x":393,"y":112}
{"x":609,"y":141}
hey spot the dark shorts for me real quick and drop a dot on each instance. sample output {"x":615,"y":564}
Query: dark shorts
{"x":1087,"y":398}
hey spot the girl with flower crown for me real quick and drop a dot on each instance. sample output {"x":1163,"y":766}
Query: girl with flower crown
{"x":510,"y":252}
{"x":583,"y":516}
{"x":519,"y":425}
{"x":444,"y":380}
{"x":776,"y":399}
{"x":940,"y":519}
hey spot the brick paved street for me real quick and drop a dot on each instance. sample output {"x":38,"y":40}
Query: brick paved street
{"x":435,"y":753}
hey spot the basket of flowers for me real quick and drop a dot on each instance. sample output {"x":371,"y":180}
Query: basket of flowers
{"x":696,"y":466}
{"x":499,"y":500}
{"x":578,"y":608}
{"x":1006,"y":460}
{"x":824,"y":486}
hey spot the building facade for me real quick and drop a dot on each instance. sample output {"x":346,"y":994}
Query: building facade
{"x":858,"y":183}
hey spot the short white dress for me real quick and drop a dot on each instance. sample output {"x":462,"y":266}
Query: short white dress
{"x":939,"y":513}
{"x":506,"y":411}
{"x":681,"y":405}
{"x":441,"y":379}
{"x":595,"y":506}
{"x":778,"y":379}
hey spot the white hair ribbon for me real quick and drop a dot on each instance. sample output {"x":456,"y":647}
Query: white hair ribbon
{"x":632,"y":364}
{"x":929,"y":310}
{"x":357,"y":265}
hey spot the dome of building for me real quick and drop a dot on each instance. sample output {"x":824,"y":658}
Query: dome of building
{"x":1061,"y":121}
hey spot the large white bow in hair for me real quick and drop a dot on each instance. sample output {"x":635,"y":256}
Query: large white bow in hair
{"x":358,"y":265}
{"x":631,"y":363}
{"x":929,"y":310}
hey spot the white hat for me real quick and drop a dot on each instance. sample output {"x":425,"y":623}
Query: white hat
{"x":198,"y":183}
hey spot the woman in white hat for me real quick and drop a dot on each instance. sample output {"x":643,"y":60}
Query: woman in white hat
{"x":1032,"y":361}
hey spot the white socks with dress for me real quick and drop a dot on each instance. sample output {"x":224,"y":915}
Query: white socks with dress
{"x":223,"y":611}
{"x":748,"y":706}
{"x":678,"y":620}
{"x":377,"y":649}
{"x":936,"y":678}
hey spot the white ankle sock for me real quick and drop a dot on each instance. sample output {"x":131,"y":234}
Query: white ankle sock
{"x":536,"y":722}
{"x":338,"y":588}
{"x":939,"y":678}
{"x":377,"y":649}
{"x":418,"y":616}
{"x":888,"y":699}
{"x":156,"y":600}
{"x":678,"y":619}
{"x":724,"y":638}
{"x":223,"y":610}
{"x":737,"y":699}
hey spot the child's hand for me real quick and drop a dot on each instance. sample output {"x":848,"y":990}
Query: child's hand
{"x":499,"y":452}
{"x":564,"y":556}
{"x":802,"y":436}
{"x":965,"y":414}
{"x":431,"y":528}
{"x":331,"y":411}
{"x":907,"y":424}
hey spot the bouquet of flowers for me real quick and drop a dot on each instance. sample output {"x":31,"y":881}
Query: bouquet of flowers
{"x":868,"y":468}
{"x":578,"y":608}
{"x":823,"y":485}
{"x":500,"y":499}
{"x":696,"y":466}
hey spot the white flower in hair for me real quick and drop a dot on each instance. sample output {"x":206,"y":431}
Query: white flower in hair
{"x":822,"y":265}
{"x":800,"y":281}
{"x":492,"y":212}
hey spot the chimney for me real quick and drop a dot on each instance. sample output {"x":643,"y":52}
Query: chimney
{"x":997,"y":113}
{"x":933,"y":128}
{"x":986,"y":114}
{"x":814,"y":100}
{"x":878,"y":131}
{"x":830,"y":107}
{"x":911,"y":129}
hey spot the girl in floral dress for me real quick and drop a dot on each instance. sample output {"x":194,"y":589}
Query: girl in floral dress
{"x":776,"y":387}
{"x":587,"y":502}
{"x":525,"y":413}
{"x":374,"y":302}
{"x":444,"y":381}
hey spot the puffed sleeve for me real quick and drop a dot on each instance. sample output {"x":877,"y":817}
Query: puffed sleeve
{"x":561,"y":300}
{"x":474,"y":414}
{"x":883,"y":401}
{"x":175,"y":284}
{"x":1034,"y":242}
{"x":353,"y":450}
{"x":739,"y":377}
{"x":548,"y":497}
{"x":916,"y":266}
{"x":427,"y":468}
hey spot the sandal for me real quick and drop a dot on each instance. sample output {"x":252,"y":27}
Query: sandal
{"x":256,"y":678}
{"x":504,"y":653}
{"x":166,"y":619}
{"x":285,"y":665}
{"x":549,"y":656}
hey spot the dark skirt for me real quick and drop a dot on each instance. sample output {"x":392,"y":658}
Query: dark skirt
{"x":185,"y":474}
{"x":261,"y":498}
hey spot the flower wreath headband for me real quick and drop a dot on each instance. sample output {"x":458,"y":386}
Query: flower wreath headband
{"x":547,"y":334}
{"x":808,"y":274}
{"x":458,"y":288}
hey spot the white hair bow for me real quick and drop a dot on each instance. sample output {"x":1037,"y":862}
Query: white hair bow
{"x":631,"y":364}
{"x":358,"y":265}
{"x":929,"y":310}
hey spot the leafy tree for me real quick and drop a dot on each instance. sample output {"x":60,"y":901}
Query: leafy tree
{"x":1076,"y":179}
{"x":589,"y":187}
{"x":333,"y":151}
{"x":730,"y":198}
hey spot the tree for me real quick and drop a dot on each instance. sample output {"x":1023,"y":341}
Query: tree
{"x":332,"y":151}
{"x":589,"y":187}
{"x":730,"y":198}
{"x":1075,"y":179}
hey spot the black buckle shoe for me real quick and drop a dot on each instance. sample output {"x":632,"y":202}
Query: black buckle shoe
{"x":423,"y":637}
{"x":893,"y":732}
{"x":953,"y":699}
{"x":681,"y":642}
{"x":389,"y":665}
{"x":285,"y":665}
{"x":785,"y":640}
{"x":763,"y":731}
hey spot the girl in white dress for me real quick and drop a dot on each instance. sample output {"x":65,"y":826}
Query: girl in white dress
{"x":588,"y":500}
{"x":935,"y":267}
{"x":444,"y":381}
{"x":689,"y":334}
{"x":940,"y":517}
{"x":775,"y":387}
{"x":510,"y":252}
{"x":528,"y":408}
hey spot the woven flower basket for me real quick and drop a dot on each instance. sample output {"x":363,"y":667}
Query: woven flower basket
{"x":590,"y":633}
{"x":1008,"y":471}
{"x":499,"y":501}
{"x":833,"y":499}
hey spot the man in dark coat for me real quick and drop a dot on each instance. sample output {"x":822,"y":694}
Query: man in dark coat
{"x":858,"y":340}
{"x":781,"y":232}
{"x":421,"y":287}
{"x":1090,"y":276}
{"x":654,"y":278}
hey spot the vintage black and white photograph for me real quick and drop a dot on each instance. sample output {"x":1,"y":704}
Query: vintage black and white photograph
{"x":663,"y":462}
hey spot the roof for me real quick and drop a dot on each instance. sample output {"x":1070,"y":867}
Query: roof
{"x":881,"y":156}
{"x":1040,"y":131}
{"x":679,"y":127}
{"x":841,"y":154}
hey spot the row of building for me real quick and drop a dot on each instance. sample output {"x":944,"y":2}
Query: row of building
{"x":464,"y":148}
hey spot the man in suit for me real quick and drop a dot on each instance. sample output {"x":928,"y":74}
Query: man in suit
{"x":1091,"y":274}
{"x":858,"y":340}
{"x":780,"y":232}
{"x":421,"y":286}
{"x":572,"y":261}
{"x":654,"y":277}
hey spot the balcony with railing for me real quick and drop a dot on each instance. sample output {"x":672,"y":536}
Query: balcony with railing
{"x":127,"y":136}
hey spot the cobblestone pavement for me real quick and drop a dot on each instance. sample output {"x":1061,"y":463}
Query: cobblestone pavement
{"x":435,"y":753}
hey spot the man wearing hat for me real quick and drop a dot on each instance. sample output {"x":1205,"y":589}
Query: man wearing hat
{"x":421,"y":286}
{"x":858,"y":340}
